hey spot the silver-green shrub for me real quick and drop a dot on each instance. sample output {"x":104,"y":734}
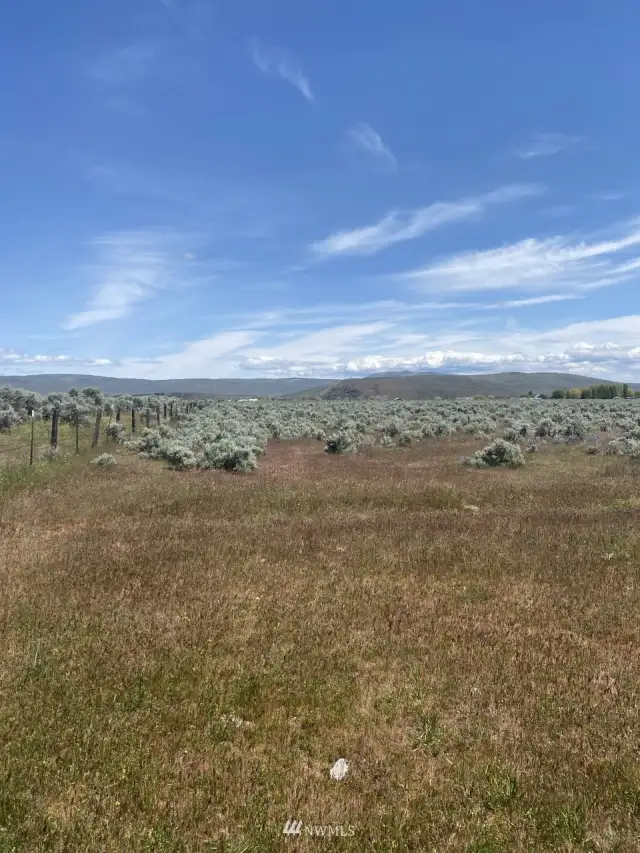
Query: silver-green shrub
{"x":115,"y":431}
{"x":150,"y":443}
{"x":229,"y":455}
{"x":545,"y":428}
{"x":623,"y":446}
{"x":179,"y":457}
{"x":499,"y":452}
{"x":341,"y":442}
{"x":105,"y":460}
{"x":9,"y":418}
{"x":405,"y":438}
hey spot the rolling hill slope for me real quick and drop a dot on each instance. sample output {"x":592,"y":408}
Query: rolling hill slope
{"x":407,"y":386}
{"x":429,"y":385}
{"x":44,"y":383}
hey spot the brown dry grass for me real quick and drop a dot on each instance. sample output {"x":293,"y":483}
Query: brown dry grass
{"x":479,"y":669}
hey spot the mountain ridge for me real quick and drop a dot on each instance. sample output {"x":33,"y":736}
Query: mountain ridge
{"x":403,"y":384}
{"x":46,"y":383}
{"x":420,"y":386}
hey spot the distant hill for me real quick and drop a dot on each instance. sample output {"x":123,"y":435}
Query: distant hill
{"x":403,"y":384}
{"x":418,"y":386}
{"x":43,"y":383}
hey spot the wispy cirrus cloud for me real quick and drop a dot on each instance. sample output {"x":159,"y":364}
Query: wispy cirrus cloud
{"x":201,"y":358}
{"x":608,"y":195}
{"x":125,"y":65}
{"x":546,"y":144}
{"x":277,"y":63}
{"x":533,"y":264}
{"x":394,"y":311}
{"x":533,"y":300}
{"x":397,"y":227}
{"x":131,"y":267}
{"x":368,"y":140}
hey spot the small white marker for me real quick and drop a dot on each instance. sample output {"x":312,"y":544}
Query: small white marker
{"x":339,"y":769}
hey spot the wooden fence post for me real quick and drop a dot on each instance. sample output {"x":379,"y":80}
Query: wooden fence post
{"x":96,"y":431}
{"x":133,"y":420}
{"x":33,"y":423}
{"x":55,"y":416}
{"x":77,"y":433}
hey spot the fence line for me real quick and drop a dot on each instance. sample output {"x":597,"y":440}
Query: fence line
{"x":67,"y":443}
{"x":17,"y":447}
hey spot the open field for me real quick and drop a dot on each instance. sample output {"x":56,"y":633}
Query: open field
{"x":185,"y":655}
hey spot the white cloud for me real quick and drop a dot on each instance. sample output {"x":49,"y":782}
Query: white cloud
{"x":608,"y":347}
{"x":596,"y":347}
{"x":125,"y":65}
{"x":364,"y":137}
{"x":534,"y":300}
{"x":276,"y":62}
{"x":203,"y":358}
{"x":12,"y":358}
{"x":318,"y":345}
{"x":546,"y":144}
{"x":612,"y":195}
{"x":112,"y":301}
{"x":337,"y":337}
{"x":314,"y":351}
{"x":532,"y":264}
{"x":397,"y":227}
{"x":132,"y":266}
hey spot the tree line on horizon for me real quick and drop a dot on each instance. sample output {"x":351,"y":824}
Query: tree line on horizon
{"x":603,"y":391}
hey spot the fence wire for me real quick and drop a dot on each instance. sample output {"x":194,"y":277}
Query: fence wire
{"x":67,"y":443}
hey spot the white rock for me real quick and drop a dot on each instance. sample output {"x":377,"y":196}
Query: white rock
{"x":339,"y":769}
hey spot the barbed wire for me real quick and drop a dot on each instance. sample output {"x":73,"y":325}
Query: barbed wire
{"x":66,"y":443}
{"x":16,"y":447}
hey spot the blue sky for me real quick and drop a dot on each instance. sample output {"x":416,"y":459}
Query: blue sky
{"x":334,"y":187}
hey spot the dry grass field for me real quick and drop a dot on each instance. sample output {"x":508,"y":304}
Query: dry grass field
{"x":184,"y":656}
